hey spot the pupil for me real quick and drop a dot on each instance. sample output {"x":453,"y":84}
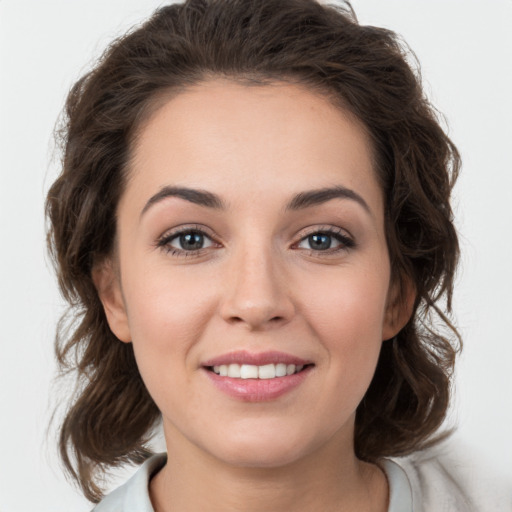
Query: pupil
{"x":191,"y":241}
{"x":320,"y":241}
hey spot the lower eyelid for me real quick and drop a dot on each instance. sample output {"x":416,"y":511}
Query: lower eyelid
{"x":345,"y":241}
{"x":170,"y":245}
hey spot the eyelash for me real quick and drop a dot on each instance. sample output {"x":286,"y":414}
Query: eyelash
{"x":345,"y":241}
{"x":165,"y":241}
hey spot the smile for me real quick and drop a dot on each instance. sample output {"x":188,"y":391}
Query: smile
{"x":261,"y":377}
{"x":250,"y":371}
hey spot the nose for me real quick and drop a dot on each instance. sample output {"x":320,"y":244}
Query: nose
{"x":256,"y":294}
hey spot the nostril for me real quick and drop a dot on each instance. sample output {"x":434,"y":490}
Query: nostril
{"x":256,"y":323}
{"x":256,"y":312}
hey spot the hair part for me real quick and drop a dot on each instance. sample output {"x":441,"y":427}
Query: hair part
{"x":364,"y":70}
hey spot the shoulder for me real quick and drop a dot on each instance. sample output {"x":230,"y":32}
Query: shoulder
{"x":452,"y":478}
{"x":133,"y":496}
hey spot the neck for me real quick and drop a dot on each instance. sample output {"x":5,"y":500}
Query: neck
{"x":331,"y":480}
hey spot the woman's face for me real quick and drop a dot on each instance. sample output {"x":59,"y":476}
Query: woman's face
{"x":251,"y":243}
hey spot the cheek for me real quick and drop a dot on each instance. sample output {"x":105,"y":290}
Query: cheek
{"x":167,"y":317}
{"x":346,"y":301}
{"x":166,"y":312}
{"x":347,"y":313}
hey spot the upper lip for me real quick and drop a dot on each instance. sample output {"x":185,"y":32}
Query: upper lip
{"x":256,"y":359}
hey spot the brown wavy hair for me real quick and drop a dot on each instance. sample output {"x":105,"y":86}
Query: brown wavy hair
{"x":366,"y":70}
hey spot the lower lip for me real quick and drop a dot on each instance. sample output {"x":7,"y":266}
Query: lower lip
{"x":258,"y":390}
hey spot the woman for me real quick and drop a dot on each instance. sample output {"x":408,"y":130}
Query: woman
{"x":253,"y":222}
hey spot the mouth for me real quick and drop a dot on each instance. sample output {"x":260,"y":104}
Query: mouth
{"x":263,"y":372}
{"x":243,"y":364}
{"x":257,"y":377}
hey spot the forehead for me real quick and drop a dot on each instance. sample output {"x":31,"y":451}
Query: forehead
{"x":232,"y":138}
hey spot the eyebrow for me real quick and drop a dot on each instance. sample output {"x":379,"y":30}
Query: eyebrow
{"x":322,"y":195}
{"x":300,"y":201}
{"x":200,"y":197}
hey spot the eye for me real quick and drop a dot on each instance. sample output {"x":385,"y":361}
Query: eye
{"x":190,"y":241}
{"x":326,"y":241}
{"x":317,"y":241}
{"x":185,"y":242}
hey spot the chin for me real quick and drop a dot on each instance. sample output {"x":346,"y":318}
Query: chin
{"x":264,"y":448}
{"x":251,"y":456}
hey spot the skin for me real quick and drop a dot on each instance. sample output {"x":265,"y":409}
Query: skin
{"x":256,"y":285}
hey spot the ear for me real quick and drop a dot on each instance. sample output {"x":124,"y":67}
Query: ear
{"x":399,"y":308}
{"x":108,"y":286}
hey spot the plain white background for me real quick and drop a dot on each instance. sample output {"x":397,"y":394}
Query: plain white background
{"x":465,"y":48}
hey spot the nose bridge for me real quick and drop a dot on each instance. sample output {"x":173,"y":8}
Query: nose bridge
{"x":256,"y":294}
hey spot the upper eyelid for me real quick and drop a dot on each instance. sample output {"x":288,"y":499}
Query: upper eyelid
{"x":301,"y":234}
{"x":329,"y":229}
{"x":186,"y":228}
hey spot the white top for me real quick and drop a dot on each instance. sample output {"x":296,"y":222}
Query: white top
{"x":435,"y":480}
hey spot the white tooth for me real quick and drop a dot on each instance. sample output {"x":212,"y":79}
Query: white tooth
{"x":234,"y":371}
{"x":290,"y":369}
{"x":223,"y":370}
{"x":280,"y":370}
{"x":216,"y":369}
{"x":248,"y":371}
{"x":267,"y":371}
{"x":299,"y":368}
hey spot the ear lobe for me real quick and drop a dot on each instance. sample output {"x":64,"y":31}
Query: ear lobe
{"x":399,"y":308}
{"x":109,"y":291}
